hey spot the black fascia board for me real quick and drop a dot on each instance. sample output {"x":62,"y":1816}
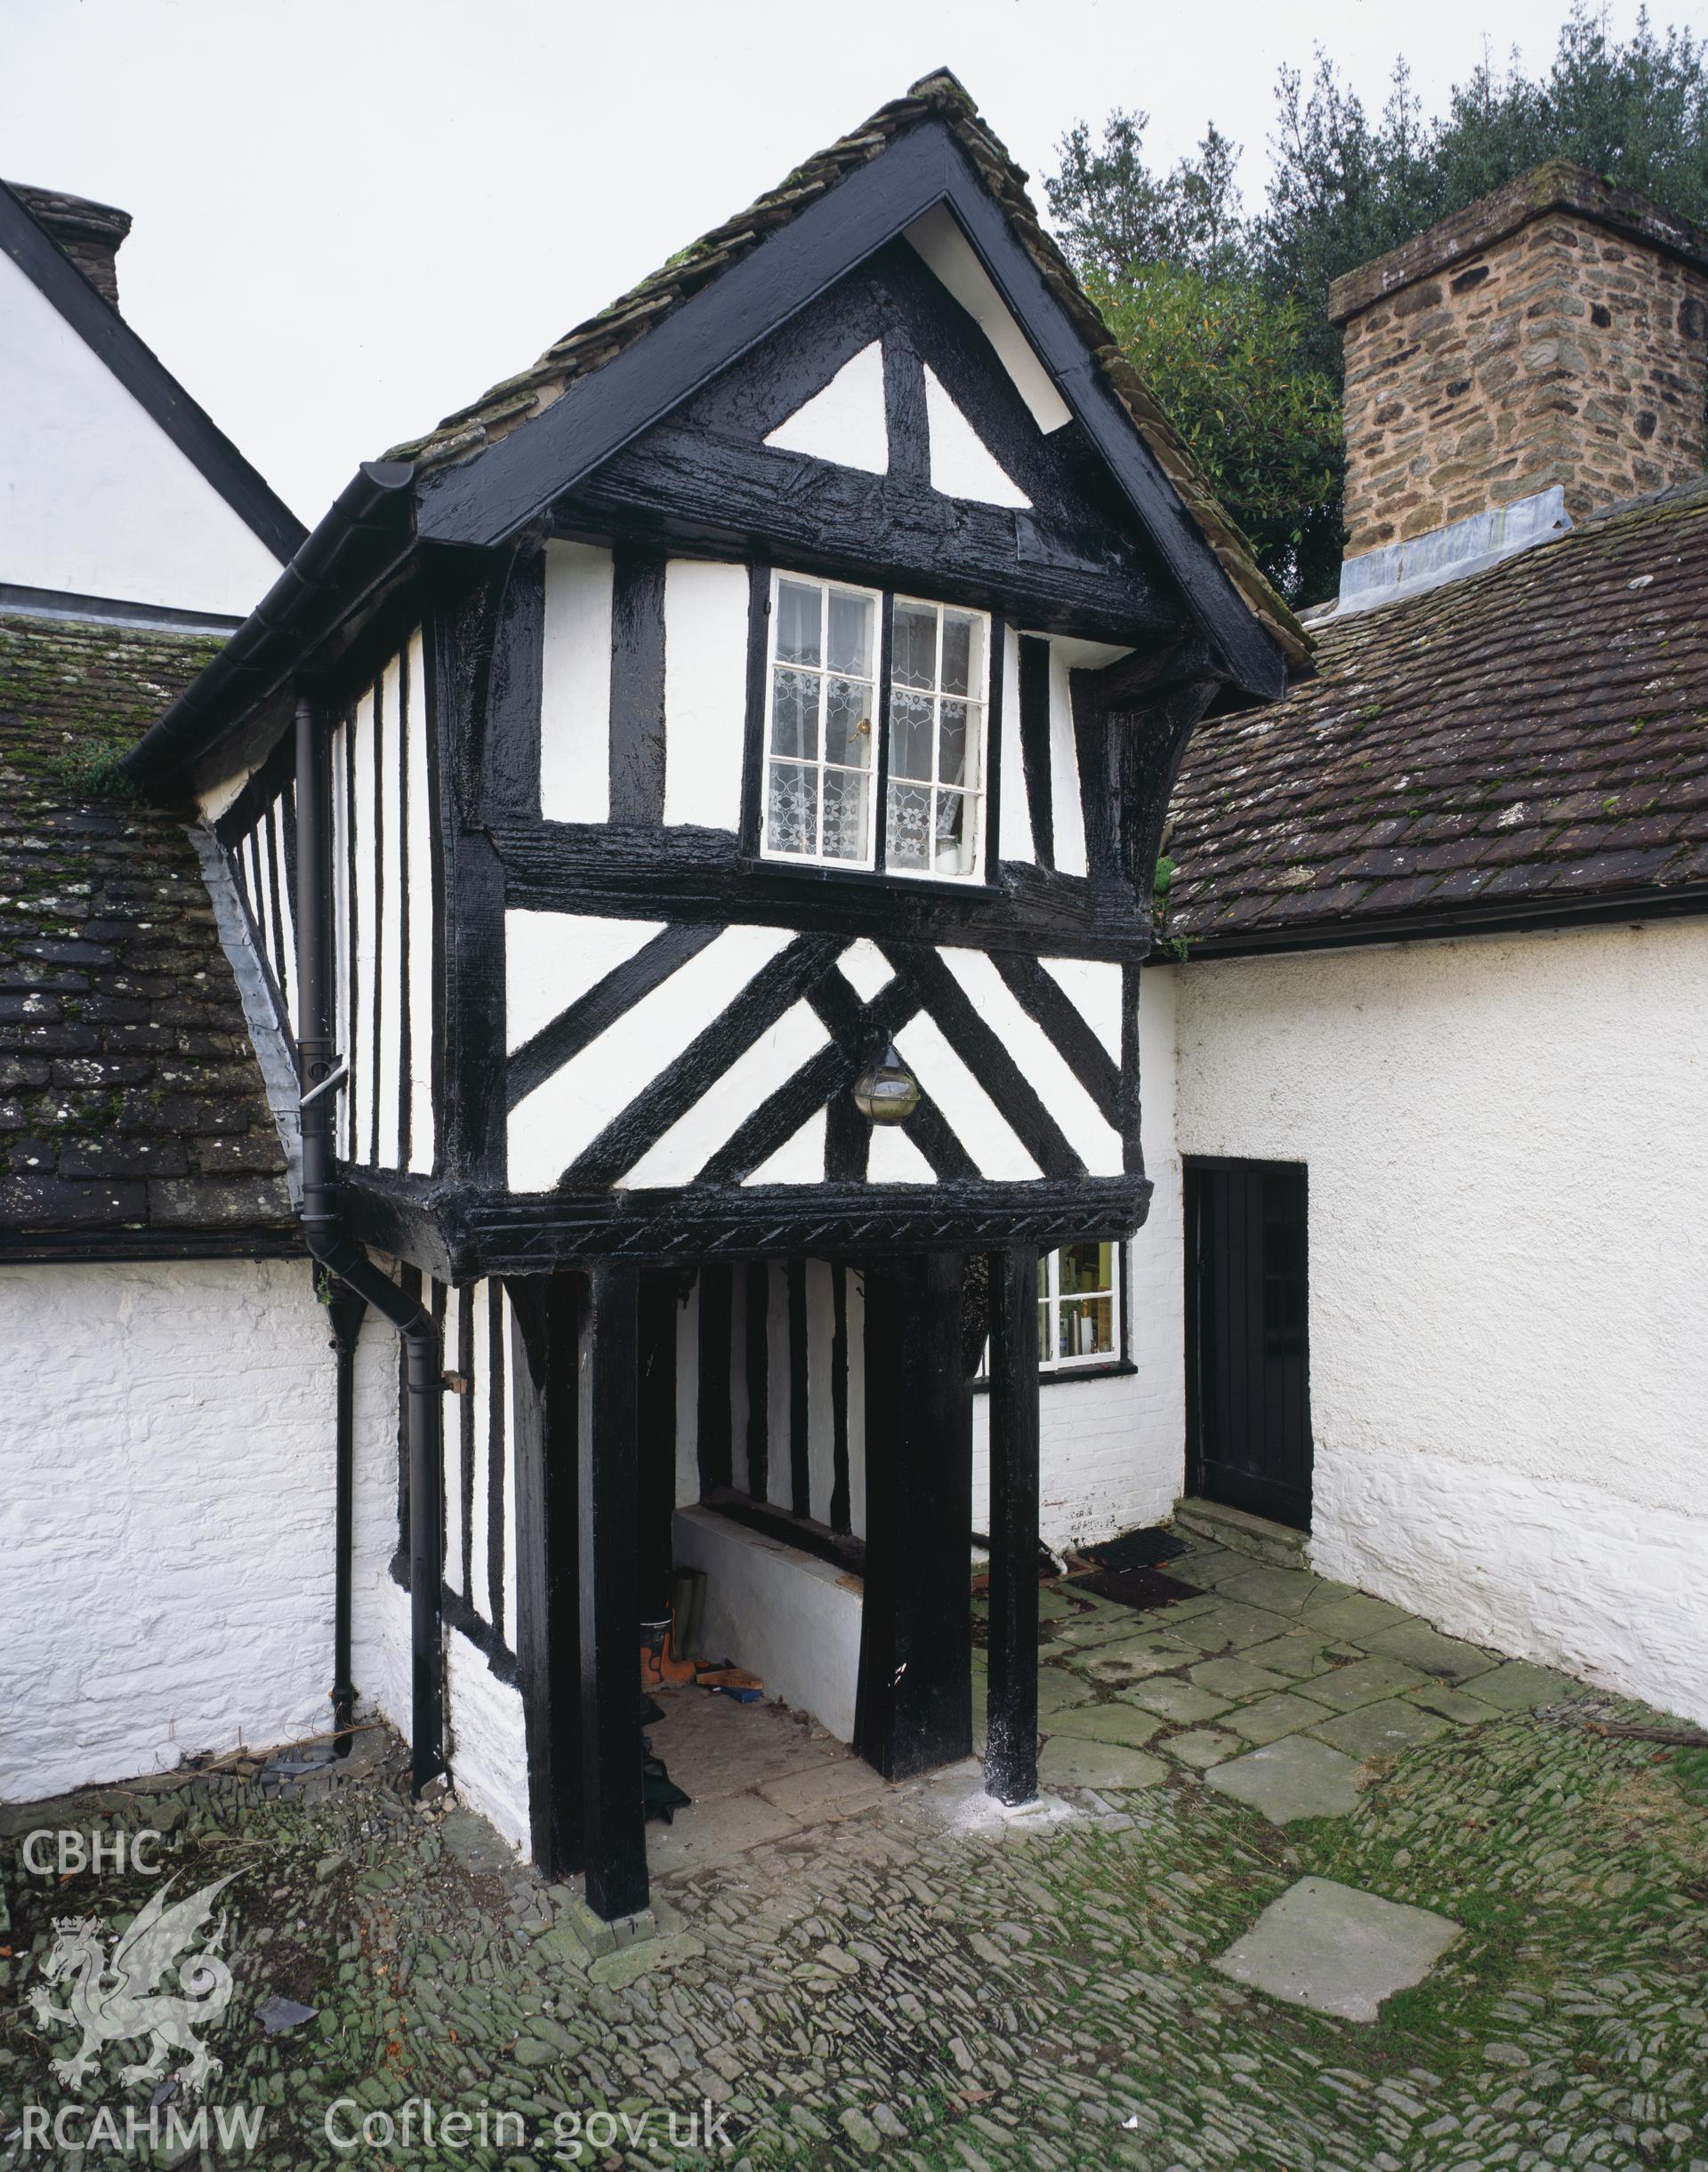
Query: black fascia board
{"x":485,"y":500}
{"x":1539,"y":916}
{"x":147,"y":379}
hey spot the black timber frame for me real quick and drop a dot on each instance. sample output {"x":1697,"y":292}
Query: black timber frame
{"x":487,"y":499}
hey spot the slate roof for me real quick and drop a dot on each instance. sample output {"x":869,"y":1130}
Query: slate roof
{"x":589,"y":345}
{"x":132,"y":1108}
{"x":1525,"y":742}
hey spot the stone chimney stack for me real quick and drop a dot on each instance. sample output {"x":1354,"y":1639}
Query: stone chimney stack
{"x":90,"y":234}
{"x":1553,"y":334}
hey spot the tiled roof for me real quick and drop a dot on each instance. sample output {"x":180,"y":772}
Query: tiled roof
{"x":590,"y":345}
{"x":130,"y":1096}
{"x":1534,"y":737}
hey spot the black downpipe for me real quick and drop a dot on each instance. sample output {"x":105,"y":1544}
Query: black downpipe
{"x":348,"y":1311}
{"x":341,"y":1255}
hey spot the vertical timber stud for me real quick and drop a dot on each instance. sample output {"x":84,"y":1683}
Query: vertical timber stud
{"x":913,"y":1709}
{"x":614,"y":1832}
{"x":1011,"y":1756}
{"x":545,"y":1313}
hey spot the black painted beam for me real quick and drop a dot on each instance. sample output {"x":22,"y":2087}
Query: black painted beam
{"x":637,"y":715}
{"x":1012,"y":1752}
{"x":613,"y":1815}
{"x":914,"y":1707}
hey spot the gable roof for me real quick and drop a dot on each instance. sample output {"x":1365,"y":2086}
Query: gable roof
{"x":133,"y":1120}
{"x":816,"y":193}
{"x":1526,"y":746}
{"x":140,"y":370}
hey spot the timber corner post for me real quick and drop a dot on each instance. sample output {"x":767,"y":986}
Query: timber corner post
{"x":1011,"y":1752}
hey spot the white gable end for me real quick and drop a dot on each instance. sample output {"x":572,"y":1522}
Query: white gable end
{"x":963,"y":465}
{"x":845,"y":422}
{"x":95,"y":498}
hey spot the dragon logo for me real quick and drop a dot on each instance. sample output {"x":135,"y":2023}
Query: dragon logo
{"x":114,"y":1998}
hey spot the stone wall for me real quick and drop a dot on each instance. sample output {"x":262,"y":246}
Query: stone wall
{"x":1550,"y":334}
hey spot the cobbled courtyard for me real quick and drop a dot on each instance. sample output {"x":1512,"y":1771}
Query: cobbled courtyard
{"x":848,"y":1973}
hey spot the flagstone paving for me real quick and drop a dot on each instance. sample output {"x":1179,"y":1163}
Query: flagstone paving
{"x":909,"y":1974}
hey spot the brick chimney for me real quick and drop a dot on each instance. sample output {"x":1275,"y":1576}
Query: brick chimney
{"x":1553,"y":333}
{"x":91,"y":234}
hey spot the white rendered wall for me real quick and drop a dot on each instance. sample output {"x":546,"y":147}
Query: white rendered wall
{"x":1507,"y":1142}
{"x":94,"y":497}
{"x":165,"y":1516}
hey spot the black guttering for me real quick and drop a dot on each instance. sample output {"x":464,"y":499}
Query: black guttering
{"x":339,"y":1253}
{"x":145,"y":378}
{"x":362,"y":538}
{"x":1522,"y":916}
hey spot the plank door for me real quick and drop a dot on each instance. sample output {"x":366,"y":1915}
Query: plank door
{"x":1247,"y":1353}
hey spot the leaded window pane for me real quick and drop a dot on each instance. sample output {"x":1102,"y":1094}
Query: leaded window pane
{"x":848,"y":722}
{"x":845,"y":813}
{"x":910,"y":734}
{"x":851,"y":633}
{"x":915,"y":646}
{"x":799,"y":608}
{"x":794,"y":715}
{"x":908,"y":827}
{"x":959,"y":632}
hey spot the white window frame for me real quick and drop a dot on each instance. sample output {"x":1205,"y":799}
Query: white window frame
{"x":822,"y":671}
{"x":882,"y":674}
{"x":1048,"y":1360}
{"x":973,"y":794}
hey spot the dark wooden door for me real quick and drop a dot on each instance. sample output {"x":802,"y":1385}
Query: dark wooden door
{"x":1248,"y":1350}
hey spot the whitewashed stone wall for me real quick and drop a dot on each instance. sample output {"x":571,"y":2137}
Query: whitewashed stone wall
{"x":165,"y":1516}
{"x":1508,"y":1151}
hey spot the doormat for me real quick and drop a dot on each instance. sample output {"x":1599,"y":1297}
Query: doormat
{"x":1141,"y":1588}
{"x":1135,"y":1549}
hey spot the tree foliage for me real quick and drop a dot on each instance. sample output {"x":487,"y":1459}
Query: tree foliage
{"x":1344,"y":186}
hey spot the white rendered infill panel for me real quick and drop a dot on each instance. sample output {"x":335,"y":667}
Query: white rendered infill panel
{"x":285,"y":935}
{"x":552,"y":959}
{"x":340,"y":827}
{"x":893,"y":1158}
{"x":479,"y":1396}
{"x":1047,"y":1072}
{"x":799,"y":1160}
{"x":963,"y":465}
{"x":1095,"y":990}
{"x":732,"y":1096}
{"x":845,"y":423}
{"x":937,"y":238}
{"x":423,"y":919}
{"x":97,"y":498}
{"x":364,"y":1040}
{"x":514,"y":1387}
{"x":1014,"y":838}
{"x":968,"y":1109}
{"x":1067,"y":807}
{"x":389,"y":1075}
{"x":865,"y":968}
{"x":576,"y":685}
{"x":569,"y":1110}
{"x":705,"y":692}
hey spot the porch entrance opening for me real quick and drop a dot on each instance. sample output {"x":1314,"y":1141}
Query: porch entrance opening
{"x":1248,"y":1350}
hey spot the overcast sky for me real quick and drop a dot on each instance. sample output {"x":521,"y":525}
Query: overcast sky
{"x":353,"y":215}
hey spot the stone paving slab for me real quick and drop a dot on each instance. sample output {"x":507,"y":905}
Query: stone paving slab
{"x":1458,"y":1705}
{"x":1299,"y":1655}
{"x":1114,"y":1722}
{"x":825,"y":1791}
{"x":1267,"y":1718}
{"x":1378,"y":1730}
{"x":1201,"y":1747}
{"x":1234,"y":1677}
{"x":1282,"y":1590}
{"x":1520,"y":1686}
{"x":1184,"y":1703}
{"x":1419,"y":1645}
{"x":1337,"y":1950}
{"x":1066,"y":1761}
{"x":1230,"y":1626}
{"x":1058,"y":1688}
{"x":1296,"y":1777}
{"x":1355,"y":1620}
{"x":1116,"y":1665}
{"x":1363,"y":1683}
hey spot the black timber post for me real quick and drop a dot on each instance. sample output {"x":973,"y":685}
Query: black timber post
{"x":612,"y":1814}
{"x":1011,"y":1752}
{"x":345,"y":1311}
{"x":545,"y":1330}
{"x":914,"y":1708}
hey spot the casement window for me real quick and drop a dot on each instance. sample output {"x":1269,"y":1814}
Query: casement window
{"x":1079,"y":1306}
{"x":823,"y":747}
